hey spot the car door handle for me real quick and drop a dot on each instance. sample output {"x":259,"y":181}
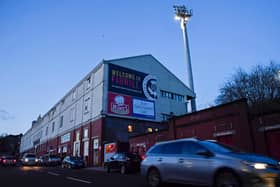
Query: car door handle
{"x":159,"y":159}
{"x":181,"y":160}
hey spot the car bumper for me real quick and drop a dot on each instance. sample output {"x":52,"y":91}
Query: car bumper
{"x":262,"y":178}
{"x":30,"y":163}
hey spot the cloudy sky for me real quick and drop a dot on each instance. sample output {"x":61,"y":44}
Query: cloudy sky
{"x":47,"y":46}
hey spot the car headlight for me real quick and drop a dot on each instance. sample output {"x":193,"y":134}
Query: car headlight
{"x":256,"y":165}
{"x":26,"y":160}
{"x":36,"y":160}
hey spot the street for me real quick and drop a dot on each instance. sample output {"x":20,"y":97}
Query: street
{"x":56,"y":176}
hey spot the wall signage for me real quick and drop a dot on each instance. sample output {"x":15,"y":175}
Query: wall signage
{"x":131,"y":82}
{"x":143,"y":108}
{"x":65,"y":138}
{"x":119,"y":104}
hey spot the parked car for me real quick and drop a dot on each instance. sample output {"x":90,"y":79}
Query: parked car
{"x":72,"y":162}
{"x":123,"y":162}
{"x":42,"y":160}
{"x":199,"y":162}
{"x":53,"y":160}
{"x":29,"y":159}
{"x":8,"y":161}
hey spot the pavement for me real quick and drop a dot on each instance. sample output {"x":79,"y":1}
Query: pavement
{"x":96,"y":168}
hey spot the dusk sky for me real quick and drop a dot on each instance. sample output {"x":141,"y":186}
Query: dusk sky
{"x":48,"y":46}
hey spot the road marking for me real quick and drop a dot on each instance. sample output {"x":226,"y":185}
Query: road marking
{"x":78,"y":180}
{"x":54,"y":174}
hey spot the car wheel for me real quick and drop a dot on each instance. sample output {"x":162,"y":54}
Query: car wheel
{"x":153,"y":178}
{"x":227,"y":179}
{"x":123,"y":170}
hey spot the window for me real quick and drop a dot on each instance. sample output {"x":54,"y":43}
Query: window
{"x":72,"y":114}
{"x":88,"y":82}
{"x":77,"y":136}
{"x":53,"y":125}
{"x":173,"y":148}
{"x":130,"y":128}
{"x":149,"y":130}
{"x":74,"y":94}
{"x":47,"y":129}
{"x":85,"y":133}
{"x":86,"y":105}
{"x":157,"y":149}
{"x":165,"y":117}
{"x":192,"y":148}
{"x":172,"y":96}
{"x":61,"y":122}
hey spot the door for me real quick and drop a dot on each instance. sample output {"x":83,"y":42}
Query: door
{"x":76,"y":150}
{"x":169,"y":161}
{"x":95,"y":157}
{"x":194,"y":167}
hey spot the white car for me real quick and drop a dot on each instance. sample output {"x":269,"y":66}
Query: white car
{"x":29,"y":159}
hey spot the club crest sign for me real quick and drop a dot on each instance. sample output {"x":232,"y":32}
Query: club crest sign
{"x":150,"y":87}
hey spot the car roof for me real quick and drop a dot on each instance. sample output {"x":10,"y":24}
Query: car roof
{"x":178,"y":140}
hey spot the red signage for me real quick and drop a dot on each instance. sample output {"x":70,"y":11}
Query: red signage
{"x":119,"y":104}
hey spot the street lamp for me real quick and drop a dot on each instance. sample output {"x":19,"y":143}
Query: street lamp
{"x":183,"y":14}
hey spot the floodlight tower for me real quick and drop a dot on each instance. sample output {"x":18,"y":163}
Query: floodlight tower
{"x":183,"y":14}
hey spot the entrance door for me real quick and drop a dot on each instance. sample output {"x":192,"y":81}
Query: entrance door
{"x":273,"y":143}
{"x":76,"y":150}
{"x":95,"y":151}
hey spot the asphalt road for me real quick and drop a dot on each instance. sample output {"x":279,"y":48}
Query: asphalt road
{"x":55,"y":176}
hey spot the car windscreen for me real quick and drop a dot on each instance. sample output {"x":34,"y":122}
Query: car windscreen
{"x":220,"y":147}
{"x":31,"y":156}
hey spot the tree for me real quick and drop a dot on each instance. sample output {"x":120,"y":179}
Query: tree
{"x":260,"y":86}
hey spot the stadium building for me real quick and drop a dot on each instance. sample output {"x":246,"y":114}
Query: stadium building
{"x":118,"y":99}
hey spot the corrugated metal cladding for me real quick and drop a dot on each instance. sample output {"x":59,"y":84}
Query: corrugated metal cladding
{"x":231,"y":124}
{"x":138,"y":93}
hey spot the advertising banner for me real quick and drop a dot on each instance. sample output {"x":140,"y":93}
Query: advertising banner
{"x":131,"y":82}
{"x":119,"y":104}
{"x":143,"y":108}
{"x":109,"y":150}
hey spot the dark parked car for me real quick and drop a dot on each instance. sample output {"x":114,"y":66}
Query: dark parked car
{"x":124,"y":162}
{"x":42,"y":160}
{"x":202,"y":162}
{"x":8,"y":161}
{"x":72,"y":162}
{"x":53,"y":160}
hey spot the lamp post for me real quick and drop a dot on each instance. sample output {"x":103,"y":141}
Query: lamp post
{"x":183,"y":14}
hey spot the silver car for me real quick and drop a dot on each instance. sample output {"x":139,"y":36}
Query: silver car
{"x":197,"y":162}
{"x":29,"y":159}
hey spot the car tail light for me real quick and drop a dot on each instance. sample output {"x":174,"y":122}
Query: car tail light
{"x":4,"y":161}
{"x":143,"y":157}
{"x":14,"y":161}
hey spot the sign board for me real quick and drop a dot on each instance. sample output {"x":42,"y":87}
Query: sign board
{"x":119,"y":104}
{"x":143,"y":108}
{"x":109,"y":150}
{"x":65,"y":138}
{"x":130,"y":82}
